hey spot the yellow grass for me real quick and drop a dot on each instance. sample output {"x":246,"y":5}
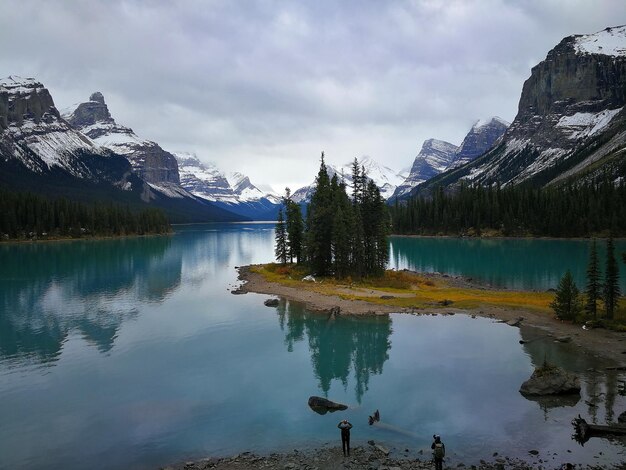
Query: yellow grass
{"x":417,"y":291}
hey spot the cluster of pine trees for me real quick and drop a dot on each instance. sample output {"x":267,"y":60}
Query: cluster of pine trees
{"x":570,"y":304}
{"x":341,"y":236}
{"x":566,"y":211}
{"x":26,"y":215}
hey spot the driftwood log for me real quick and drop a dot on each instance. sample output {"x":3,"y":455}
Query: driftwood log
{"x":584,"y":431}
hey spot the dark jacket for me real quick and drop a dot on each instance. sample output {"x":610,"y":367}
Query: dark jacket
{"x":345,"y":427}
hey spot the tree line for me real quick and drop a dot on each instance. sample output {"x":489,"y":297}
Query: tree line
{"x":340,"y":236}
{"x":573,"y":210}
{"x":28,"y":216}
{"x":570,"y":304}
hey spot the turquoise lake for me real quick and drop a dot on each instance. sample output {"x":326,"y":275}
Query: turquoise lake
{"x":133,"y":353}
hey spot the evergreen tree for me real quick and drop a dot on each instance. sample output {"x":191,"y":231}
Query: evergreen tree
{"x":357,"y":182}
{"x":357,"y":255}
{"x":593,"y":289}
{"x":566,"y":304}
{"x":281,"y":250}
{"x":26,"y":215}
{"x":294,"y":227}
{"x":611,"y":280}
{"x":320,"y":223}
{"x":570,"y":209}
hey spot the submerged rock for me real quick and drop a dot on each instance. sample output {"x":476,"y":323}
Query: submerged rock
{"x":271,"y":303}
{"x":323,"y":405}
{"x":550,"y":380}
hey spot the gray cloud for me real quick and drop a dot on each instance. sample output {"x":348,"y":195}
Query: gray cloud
{"x":262,"y":86}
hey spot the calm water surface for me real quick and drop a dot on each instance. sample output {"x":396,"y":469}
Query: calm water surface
{"x":534,"y":264}
{"x":134,"y":354}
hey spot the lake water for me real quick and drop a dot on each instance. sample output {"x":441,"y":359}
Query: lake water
{"x":516,"y":263}
{"x":134,"y":354}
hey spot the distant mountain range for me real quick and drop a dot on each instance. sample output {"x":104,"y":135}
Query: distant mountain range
{"x":233,"y":192}
{"x":571,"y":124}
{"x":385,"y":178}
{"x":42,"y":152}
{"x":438,"y":156}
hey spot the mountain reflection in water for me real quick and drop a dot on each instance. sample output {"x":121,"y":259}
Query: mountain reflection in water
{"x":91,"y":288}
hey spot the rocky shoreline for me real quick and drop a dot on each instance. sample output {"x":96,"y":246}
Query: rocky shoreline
{"x":371,"y":457}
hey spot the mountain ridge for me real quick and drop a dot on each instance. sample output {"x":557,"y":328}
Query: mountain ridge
{"x":42,"y":153}
{"x":570,"y":119}
{"x":437,"y":156}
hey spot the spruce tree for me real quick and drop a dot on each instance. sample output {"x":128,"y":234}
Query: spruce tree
{"x":593,"y":289}
{"x":320,"y":223}
{"x":295,"y":231}
{"x":566,"y":304}
{"x":357,"y":255}
{"x":294,"y":227}
{"x":357,"y":182}
{"x":280,"y":250}
{"x":611,"y":280}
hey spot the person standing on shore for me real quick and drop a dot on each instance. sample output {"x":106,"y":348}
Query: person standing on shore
{"x":439,"y":452}
{"x":345,"y":427}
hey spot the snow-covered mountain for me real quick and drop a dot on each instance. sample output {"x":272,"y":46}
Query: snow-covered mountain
{"x":41,"y":152}
{"x":434,"y":157}
{"x":570,"y":123}
{"x":481,"y":137}
{"x":153,"y":164}
{"x":34,"y":133}
{"x":173,"y":174}
{"x":438,"y":156}
{"x":385,"y":178}
{"x":233,"y":191}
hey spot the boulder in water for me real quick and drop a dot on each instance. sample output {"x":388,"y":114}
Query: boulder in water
{"x":323,"y":405}
{"x":271,"y":303}
{"x":550,"y":380}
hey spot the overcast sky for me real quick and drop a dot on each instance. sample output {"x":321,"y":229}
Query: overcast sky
{"x":263,"y":86}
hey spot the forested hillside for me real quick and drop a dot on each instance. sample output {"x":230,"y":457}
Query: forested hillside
{"x":29,"y":216}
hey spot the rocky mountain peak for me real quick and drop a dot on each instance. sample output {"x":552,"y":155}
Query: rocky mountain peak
{"x":91,"y":112}
{"x":24,"y":99}
{"x":481,"y":137}
{"x":570,"y":118}
{"x":493,"y":121}
{"x":149,"y":160}
{"x":97,"y":97}
{"x":437,"y":146}
{"x":434,"y":157}
{"x":33,"y":133}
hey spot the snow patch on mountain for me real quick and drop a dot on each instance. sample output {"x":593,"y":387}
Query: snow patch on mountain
{"x":17,"y":85}
{"x":610,"y":41}
{"x":581,"y":125}
{"x":493,"y":119}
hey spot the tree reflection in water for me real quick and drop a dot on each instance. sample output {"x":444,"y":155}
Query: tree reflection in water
{"x":338,"y":344}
